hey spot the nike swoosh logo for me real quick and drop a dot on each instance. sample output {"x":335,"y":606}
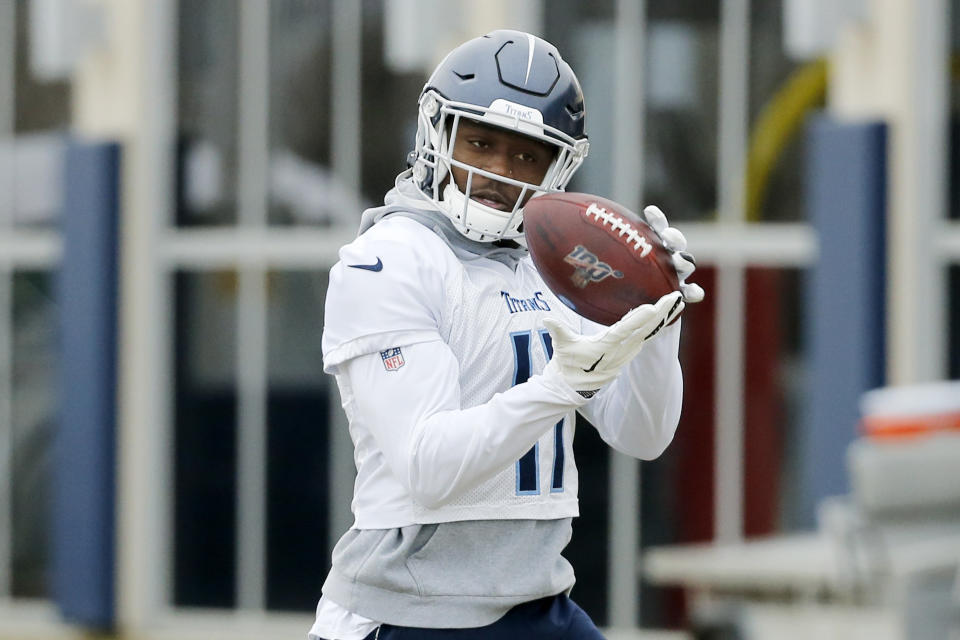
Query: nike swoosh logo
{"x":594,"y":365}
{"x":377,"y":266}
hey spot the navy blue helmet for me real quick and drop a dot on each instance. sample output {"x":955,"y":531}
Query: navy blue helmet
{"x":507,"y":79}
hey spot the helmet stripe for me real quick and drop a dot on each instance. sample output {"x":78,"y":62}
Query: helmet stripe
{"x":531,"y":43}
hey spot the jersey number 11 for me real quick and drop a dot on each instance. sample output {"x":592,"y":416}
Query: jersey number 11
{"x":528,"y":466}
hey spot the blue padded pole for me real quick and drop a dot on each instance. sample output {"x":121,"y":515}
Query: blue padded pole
{"x":84,"y":445}
{"x":844,"y":296}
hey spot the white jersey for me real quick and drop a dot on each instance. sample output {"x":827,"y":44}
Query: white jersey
{"x":468,"y":330}
{"x":466,"y":483}
{"x":439,"y":361}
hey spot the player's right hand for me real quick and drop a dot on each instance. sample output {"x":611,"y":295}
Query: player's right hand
{"x":588,"y":362}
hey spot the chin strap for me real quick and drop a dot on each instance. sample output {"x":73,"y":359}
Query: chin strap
{"x":463,"y":211}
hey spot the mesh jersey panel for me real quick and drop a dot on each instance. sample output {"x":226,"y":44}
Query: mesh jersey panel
{"x":485,"y":304}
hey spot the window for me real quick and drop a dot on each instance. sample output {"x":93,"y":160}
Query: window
{"x":33,"y":113}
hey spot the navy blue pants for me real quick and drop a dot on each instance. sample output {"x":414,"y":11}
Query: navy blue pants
{"x":553,"y":618}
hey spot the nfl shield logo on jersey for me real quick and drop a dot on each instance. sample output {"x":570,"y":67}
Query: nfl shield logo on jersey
{"x":392,"y":359}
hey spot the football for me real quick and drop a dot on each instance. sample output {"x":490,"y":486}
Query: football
{"x":598,"y":257}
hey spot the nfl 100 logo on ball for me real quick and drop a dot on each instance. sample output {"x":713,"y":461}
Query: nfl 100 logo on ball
{"x":392,"y":359}
{"x":588,"y":268}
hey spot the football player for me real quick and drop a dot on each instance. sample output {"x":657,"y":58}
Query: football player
{"x":460,"y":372}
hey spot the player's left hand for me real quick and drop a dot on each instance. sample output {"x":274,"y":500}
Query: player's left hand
{"x":676,"y":244}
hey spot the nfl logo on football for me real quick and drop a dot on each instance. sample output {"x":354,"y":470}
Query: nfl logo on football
{"x":588,"y":268}
{"x":392,"y":359}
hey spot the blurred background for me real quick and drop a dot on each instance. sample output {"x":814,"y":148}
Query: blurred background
{"x":177,"y":175}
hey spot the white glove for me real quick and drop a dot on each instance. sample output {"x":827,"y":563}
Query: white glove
{"x":676,"y":244}
{"x":587,"y":363}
